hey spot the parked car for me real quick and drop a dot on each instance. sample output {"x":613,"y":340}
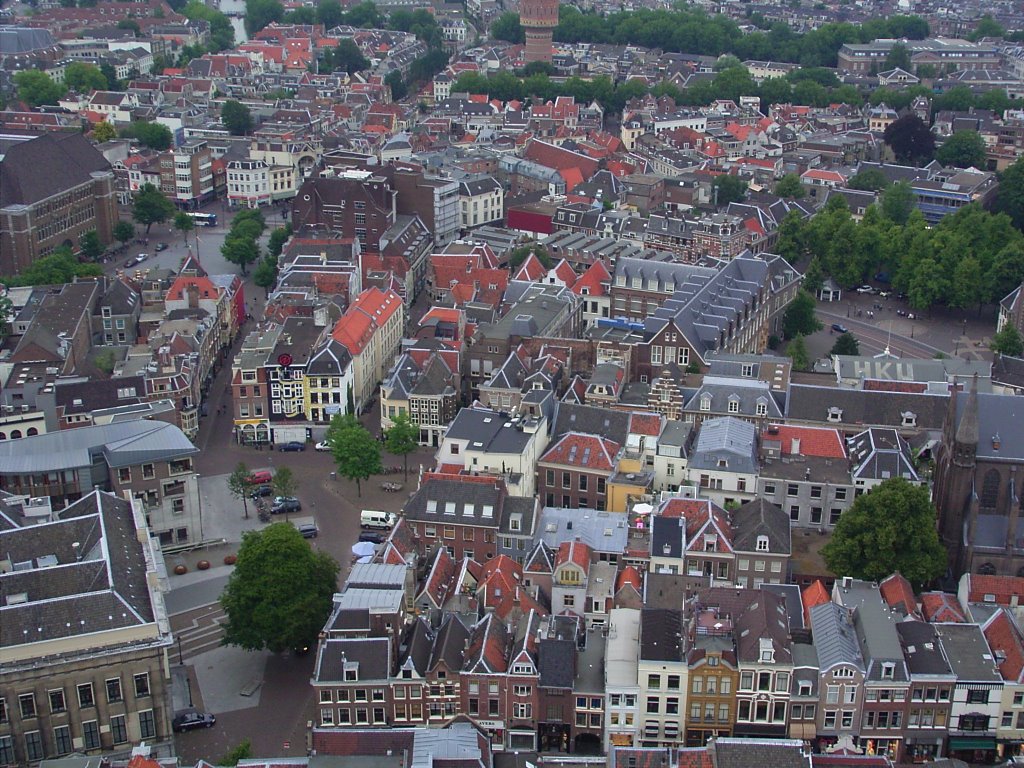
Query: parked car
{"x":293,"y":445}
{"x":839,"y":328}
{"x":192,"y":719}
{"x":866,"y":289}
{"x":373,"y":538}
{"x":140,"y":258}
{"x":322,"y":446}
{"x":160,"y":247}
{"x":262,"y":492}
{"x":309,"y":530}
{"x":260,"y":477}
{"x":285,"y":505}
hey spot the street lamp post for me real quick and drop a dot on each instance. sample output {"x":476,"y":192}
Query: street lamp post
{"x":199,"y":496}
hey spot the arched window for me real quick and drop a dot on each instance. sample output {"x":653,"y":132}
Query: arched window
{"x":16,"y":434}
{"x":987,"y":569}
{"x":32,"y":432}
{"x":3,"y":435}
{"x":990,"y":489}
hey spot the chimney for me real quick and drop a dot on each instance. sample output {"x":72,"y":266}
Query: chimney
{"x":996,"y":442}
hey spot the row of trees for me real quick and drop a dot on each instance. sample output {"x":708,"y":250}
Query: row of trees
{"x":241,"y":245}
{"x":970,"y":258}
{"x":690,"y":31}
{"x":36,"y":88}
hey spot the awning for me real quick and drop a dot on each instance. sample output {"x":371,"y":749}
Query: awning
{"x":967,"y":742}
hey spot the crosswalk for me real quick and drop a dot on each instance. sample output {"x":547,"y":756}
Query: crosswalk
{"x":197,"y":631}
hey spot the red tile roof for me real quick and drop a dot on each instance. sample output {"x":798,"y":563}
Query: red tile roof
{"x":1003,"y":588}
{"x":631,"y":576}
{"x":898,"y":594}
{"x":574,"y":552}
{"x":648,"y":424}
{"x":815,"y":594}
{"x":564,"y":272}
{"x":596,"y":281}
{"x":695,"y":757}
{"x":352,"y":742}
{"x":1005,"y":638}
{"x":875,"y":385}
{"x":207,"y":290}
{"x":941,"y":607}
{"x":531,"y":269}
{"x":575,"y":448}
{"x":558,"y":158}
{"x":814,"y":441}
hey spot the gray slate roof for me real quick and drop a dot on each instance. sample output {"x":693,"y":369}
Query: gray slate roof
{"x":372,"y":654}
{"x":835,"y":637}
{"x":864,"y":407}
{"x":725,"y":438}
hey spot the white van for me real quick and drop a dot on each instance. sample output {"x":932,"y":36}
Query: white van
{"x":371,"y":518}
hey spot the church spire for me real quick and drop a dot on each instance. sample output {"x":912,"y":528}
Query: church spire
{"x":967,"y":429}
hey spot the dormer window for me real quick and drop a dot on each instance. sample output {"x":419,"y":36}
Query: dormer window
{"x":909,"y":419}
{"x":835,"y":414}
{"x":705,"y":402}
{"x":734,"y":405}
{"x":888,"y":670}
{"x":762,"y":409}
{"x":762,"y":543}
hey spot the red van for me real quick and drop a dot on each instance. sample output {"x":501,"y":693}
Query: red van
{"x":259,"y":477}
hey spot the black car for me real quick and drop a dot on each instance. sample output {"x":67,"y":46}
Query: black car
{"x":192,"y":719}
{"x":309,"y":530}
{"x":285,"y":505}
{"x":294,"y":445}
{"x":262,"y":491}
{"x":838,"y":327}
{"x":160,"y":247}
{"x":373,"y":538}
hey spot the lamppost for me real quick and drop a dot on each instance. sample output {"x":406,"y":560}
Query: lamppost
{"x":199,"y":496}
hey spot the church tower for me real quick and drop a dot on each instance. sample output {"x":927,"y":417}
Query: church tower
{"x":955,"y":496}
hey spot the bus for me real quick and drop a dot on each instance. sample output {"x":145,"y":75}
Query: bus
{"x":204,"y":219}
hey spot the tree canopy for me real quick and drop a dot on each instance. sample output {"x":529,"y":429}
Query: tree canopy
{"x":964,"y":149}
{"x":891,"y":528}
{"x":260,"y":13}
{"x":91,"y":246}
{"x":799,"y":318}
{"x":153,"y":135}
{"x":789,"y":186}
{"x":35,"y":87}
{"x":355,"y":451}
{"x":402,"y":439}
{"x":507,"y":27}
{"x":61,"y":266}
{"x":222,"y":33}
{"x":870,"y":180}
{"x":279,"y":594}
{"x":103,"y":131}
{"x":1010,"y":194}
{"x":797,"y":351}
{"x":83,"y":78}
{"x":729,"y":188}
{"x":910,"y":139}
{"x":348,"y":58}
{"x":124,"y":231}
{"x":846,"y":344}
{"x":237,"y":117}
{"x":239,"y":486}
{"x":151,"y":207}
{"x":1007,"y":341}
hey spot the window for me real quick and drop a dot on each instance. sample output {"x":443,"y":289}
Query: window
{"x":114,"y":689}
{"x":147,"y":724}
{"x":746,"y":681}
{"x":33,"y":746}
{"x":57,"y":702}
{"x":653,"y":706}
{"x":62,"y":739}
{"x":6,"y":750}
{"x":85,"y":696}
{"x":119,"y":729}
{"x":654,"y":682}
{"x":27,"y":703}
{"x":91,"y":735}
{"x":977,"y":697}
{"x":792,"y":489}
{"x":142,"y":684}
{"x":840,"y":494}
{"x":830,"y":719}
{"x":673,"y":682}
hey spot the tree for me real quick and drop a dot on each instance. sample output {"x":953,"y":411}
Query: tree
{"x":846,"y":344}
{"x":891,"y":528}
{"x":814,"y":276}
{"x":799,"y":319}
{"x":91,"y":246}
{"x":131,"y":24}
{"x":124,"y":231}
{"x":898,"y":203}
{"x":184,"y":224}
{"x":1010,"y":194}
{"x":278,"y":238}
{"x":239,"y":225}
{"x":279,"y":595}
{"x":240,"y":250}
{"x":898,"y":56}
{"x":964,"y":149}
{"x":58,"y":267}
{"x":153,"y":135}
{"x":987,"y":27}
{"x":397,"y":85}
{"x":222,"y":33}
{"x":260,"y":13}
{"x":789,"y":186}
{"x":243,"y":751}
{"x":910,"y":139}
{"x":402,"y":439}
{"x":870,"y":180}
{"x":35,"y":87}
{"x":284,"y":482}
{"x":348,"y":58}
{"x":329,"y":13}
{"x":6,"y":313}
{"x":110,"y":76}
{"x":797,"y":351}
{"x":1007,"y":341}
{"x":265,"y":274}
{"x":151,"y":207}
{"x":239,"y":485}
{"x":103,"y":131}
{"x":728,"y":189}
{"x":519,"y":255}
{"x":236,"y":117}
{"x":355,"y":450}
{"x":507,"y":27}
{"x":83,"y":78}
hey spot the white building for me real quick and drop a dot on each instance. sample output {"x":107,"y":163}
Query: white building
{"x":481,"y":201}
{"x":621,"y":660}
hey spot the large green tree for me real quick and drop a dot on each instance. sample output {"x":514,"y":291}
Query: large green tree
{"x":1010,"y":194}
{"x":402,"y":439}
{"x":799,"y":318}
{"x":279,"y":594}
{"x":285,"y":482}
{"x":153,"y":135}
{"x":222,"y":33}
{"x":240,"y":250}
{"x":789,"y":186}
{"x":329,"y":13}
{"x":151,"y":207}
{"x":728,"y":188}
{"x":103,"y":131}
{"x":910,"y":139}
{"x":184,"y":224}
{"x":891,"y":528}
{"x":846,"y":344}
{"x":260,"y":13}
{"x":1007,"y":341}
{"x":797,"y":351}
{"x":91,"y":245}
{"x":237,"y":117}
{"x":507,"y":27}
{"x":870,"y":180}
{"x":35,"y":87}
{"x":83,"y":78}
{"x":61,"y":266}
{"x":898,"y":202}
{"x":348,"y":58}
{"x":355,"y":451}
{"x":265,"y":274}
{"x":6,"y":313}
{"x":964,"y":149}
{"x":124,"y":231}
